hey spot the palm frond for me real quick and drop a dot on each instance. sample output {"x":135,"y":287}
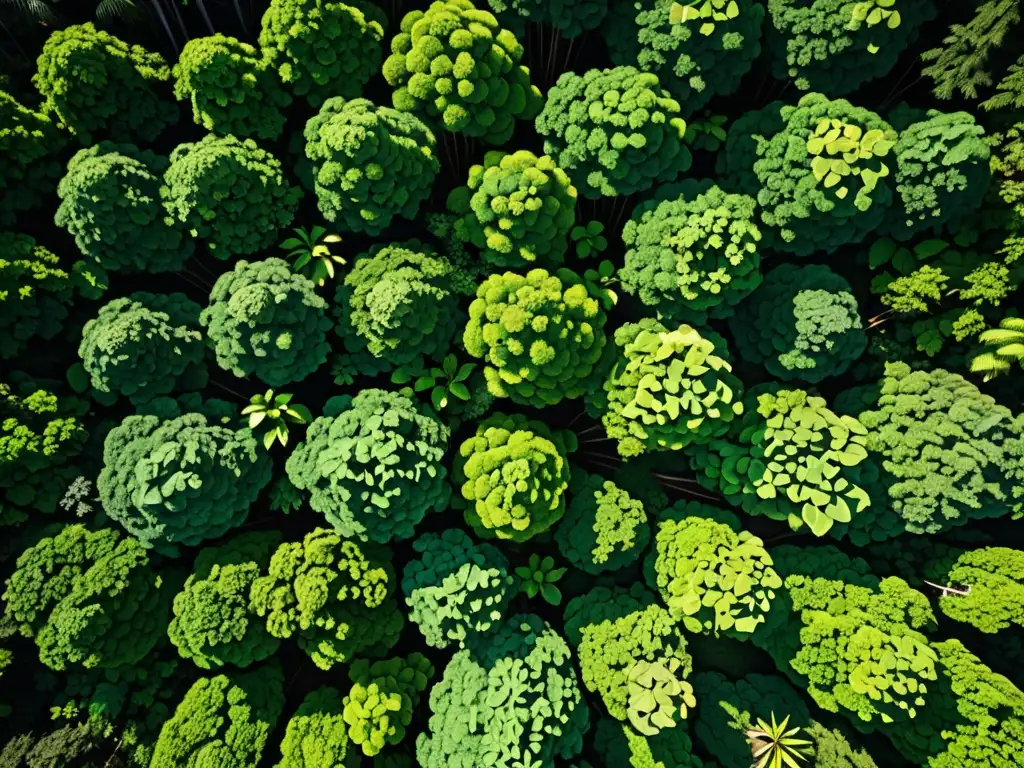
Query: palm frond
{"x":116,"y":9}
{"x":35,"y":9}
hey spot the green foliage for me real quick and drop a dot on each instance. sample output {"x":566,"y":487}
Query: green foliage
{"x":627,"y":645}
{"x":461,"y":69}
{"x":144,"y":345}
{"x":1010,"y":90}
{"x":176,"y":475}
{"x":449,"y":381}
{"x":835,"y":46}
{"x":942,"y":171}
{"x":823,"y":168}
{"x":802,"y":325}
{"x":570,"y":18}
{"x":668,"y":389}
{"x":793,"y":459}
{"x":1000,"y":348}
{"x":379,"y":706}
{"x":35,"y":292}
{"x":28,"y":169}
{"x":399,"y":304}
{"x":950,"y":453}
{"x":514,"y":472}
{"x":615,"y":131}
{"x":264,"y":319}
{"x":88,"y":599}
{"x":604,"y":529}
{"x":692,"y":251}
{"x":333,"y":594}
{"x":456,"y":589}
{"x":113,"y":204}
{"x":62,"y":746}
{"x":321,"y":49}
{"x":373,"y":466}
{"x":832,"y":750}
{"x":619,"y":745}
{"x":776,"y":745}
{"x":728,"y":708}
{"x":232,"y":87}
{"x":312,"y":252}
{"x":539,"y":576}
{"x":701,"y":51}
{"x":369,"y":164}
{"x":230,"y":193}
{"x":212,"y":624}
{"x":39,"y":436}
{"x":273,"y":413}
{"x":222,"y":721}
{"x":541,"y":336}
{"x":588,"y":239}
{"x":986,"y":589}
{"x":315,"y":736}
{"x":712,"y":578}
{"x":95,"y":83}
{"x":515,"y":703}
{"x":516,"y":208}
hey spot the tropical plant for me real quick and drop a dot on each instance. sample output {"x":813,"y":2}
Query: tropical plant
{"x":445,"y":382}
{"x":270,"y":415}
{"x":1001,"y":347}
{"x":588,"y":239}
{"x":311,"y":250}
{"x":539,"y":576}
{"x":773,"y":746}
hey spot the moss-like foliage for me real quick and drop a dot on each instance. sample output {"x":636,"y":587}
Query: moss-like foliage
{"x":518,"y":696}
{"x":950,"y":453}
{"x":456,"y":64}
{"x":835,"y":46}
{"x":232,"y":87}
{"x":212,"y":624}
{"x":514,"y":473}
{"x":223,"y":720}
{"x":372,"y":465}
{"x":113,"y":204}
{"x":399,"y":304}
{"x":614,"y":131}
{"x":144,"y":345}
{"x":176,"y":475}
{"x":316,"y":735}
{"x":332,"y":594}
{"x":36,"y":291}
{"x":701,"y":54}
{"x":29,"y":169}
{"x":322,"y":49}
{"x":540,"y":335}
{"x":728,"y":708}
{"x":693,"y":251}
{"x":802,"y":325}
{"x":620,"y":745}
{"x":95,"y":83}
{"x":456,"y":589}
{"x":88,"y":599}
{"x":667,"y":389}
{"x":267,"y":320}
{"x":604,"y":527}
{"x":942,"y":172}
{"x":993,"y":579}
{"x":379,"y":706}
{"x":570,"y":17}
{"x":369,"y":164}
{"x":620,"y":637}
{"x":825,"y":171}
{"x":517,"y":208}
{"x":832,"y":749}
{"x":712,"y":577}
{"x":230,"y":193}
{"x":793,"y":459}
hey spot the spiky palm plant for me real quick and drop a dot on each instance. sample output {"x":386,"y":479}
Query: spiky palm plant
{"x":773,"y":746}
{"x":1003,"y":346}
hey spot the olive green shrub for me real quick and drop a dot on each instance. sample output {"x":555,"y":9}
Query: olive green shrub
{"x":517,"y":208}
{"x":114,"y":204}
{"x":144,"y":345}
{"x":264,"y":319}
{"x":379,"y":706}
{"x":368,"y":164}
{"x":230,"y":193}
{"x":457,"y":66}
{"x":316,"y":734}
{"x":29,"y":141}
{"x":540,"y":335}
{"x":322,"y":49}
{"x":614,"y":131}
{"x":372,"y":465}
{"x":232,"y":87}
{"x":514,"y":473}
{"x":456,"y":589}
